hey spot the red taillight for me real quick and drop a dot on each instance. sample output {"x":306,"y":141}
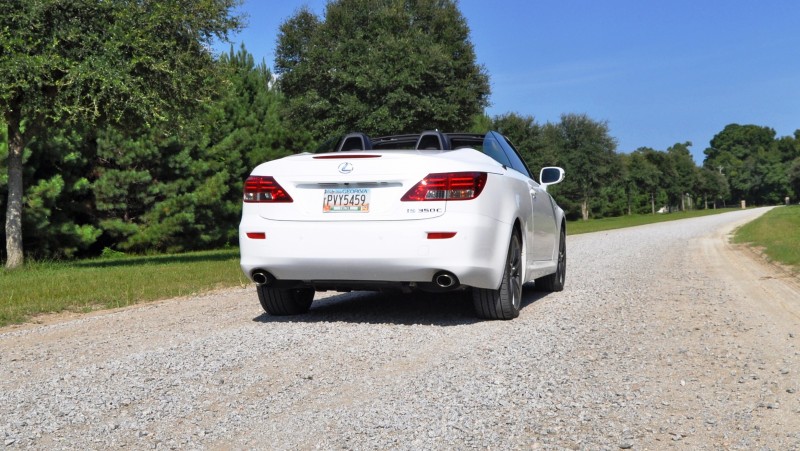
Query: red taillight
{"x":440,"y":235}
{"x":264,"y":189}
{"x":447,"y":186}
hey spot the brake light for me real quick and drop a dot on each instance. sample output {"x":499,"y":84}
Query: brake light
{"x":441,"y":235}
{"x":264,"y":189}
{"x":447,"y":186}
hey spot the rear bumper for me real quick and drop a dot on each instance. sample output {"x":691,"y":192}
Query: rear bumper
{"x":379,"y":251}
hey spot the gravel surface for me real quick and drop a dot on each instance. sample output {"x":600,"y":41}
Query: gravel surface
{"x":665,"y":337}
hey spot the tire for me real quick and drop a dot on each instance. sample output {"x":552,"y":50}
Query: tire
{"x":555,"y":281}
{"x":504,"y":302}
{"x":283,"y":302}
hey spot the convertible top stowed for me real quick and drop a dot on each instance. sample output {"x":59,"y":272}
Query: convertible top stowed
{"x":427,"y":140}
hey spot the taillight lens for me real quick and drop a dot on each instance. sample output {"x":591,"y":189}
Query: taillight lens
{"x":447,"y":186}
{"x":264,"y":189}
{"x":441,"y":235}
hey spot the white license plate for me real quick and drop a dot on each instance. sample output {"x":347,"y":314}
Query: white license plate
{"x":346,"y":200}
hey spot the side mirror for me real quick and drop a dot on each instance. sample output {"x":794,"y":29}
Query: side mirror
{"x":550,"y":176}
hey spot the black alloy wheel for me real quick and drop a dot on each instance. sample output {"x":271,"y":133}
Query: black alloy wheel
{"x":504,"y":302}
{"x":555,"y":281}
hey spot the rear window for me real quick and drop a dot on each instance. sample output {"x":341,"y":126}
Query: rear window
{"x":460,"y":143}
{"x":409,"y":142}
{"x":394,"y":143}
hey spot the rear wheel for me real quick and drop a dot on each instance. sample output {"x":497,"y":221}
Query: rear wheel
{"x":555,"y":281}
{"x":282,"y":302}
{"x":504,"y":302}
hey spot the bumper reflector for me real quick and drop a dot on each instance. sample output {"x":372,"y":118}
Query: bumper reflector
{"x":440,"y":235}
{"x":257,"y":235}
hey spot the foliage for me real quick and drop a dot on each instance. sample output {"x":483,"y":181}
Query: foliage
{"x":755,"y":164}
{"x":124,"y":62}
{"x":481,"y":123}
{"x":152,"y":189}
{"x":190,"y":198}
{"x":3,"y":164}
{"x":793,"y":176}
{"x":380,"y":67}
{"x":156,"y":192}
{"x":712,"y":184}
{"x":526,"y":135}
{"x":682,"y":180}
{"x":586,"y":151}
{"x":641,"y":179}
{"x":57,"y":220}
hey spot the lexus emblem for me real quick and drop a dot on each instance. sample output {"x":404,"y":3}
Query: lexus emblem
{"x":346,"y":168}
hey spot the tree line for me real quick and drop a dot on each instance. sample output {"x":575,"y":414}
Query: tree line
{"x":135,"y":138}
{"x":743,"y":163}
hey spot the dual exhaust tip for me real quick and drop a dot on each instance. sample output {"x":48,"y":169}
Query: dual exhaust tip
{"x":442,"y":279}
{"x":261,"y":277}
{"x":445,"y":279}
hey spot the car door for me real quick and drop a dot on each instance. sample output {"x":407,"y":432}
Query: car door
{"x":542,"y":231}
{"x":544,"y":225}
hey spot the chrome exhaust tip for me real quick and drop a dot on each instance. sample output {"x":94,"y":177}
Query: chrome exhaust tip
{"x":261,"y":277}
{"x":445,"y":279}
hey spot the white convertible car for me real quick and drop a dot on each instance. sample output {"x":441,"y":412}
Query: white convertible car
{"x":432,"y":212}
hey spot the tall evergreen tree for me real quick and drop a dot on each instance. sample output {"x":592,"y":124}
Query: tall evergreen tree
{"x":380,"y":67}
{"x":180,"y":192}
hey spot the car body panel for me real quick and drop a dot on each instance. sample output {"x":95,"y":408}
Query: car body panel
{"x":390,"y":243}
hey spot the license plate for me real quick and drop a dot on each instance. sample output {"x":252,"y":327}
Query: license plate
{"x":346,"y":200}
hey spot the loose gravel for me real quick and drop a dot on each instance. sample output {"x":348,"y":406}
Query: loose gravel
{"x":652,"y":345}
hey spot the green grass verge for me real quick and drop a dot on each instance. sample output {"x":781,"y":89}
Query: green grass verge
{"x":598,"y":225}
{"x":85,"y":285}
{"x":777,"y":232}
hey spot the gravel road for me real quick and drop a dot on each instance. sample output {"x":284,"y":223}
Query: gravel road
{"x":665,"y":337}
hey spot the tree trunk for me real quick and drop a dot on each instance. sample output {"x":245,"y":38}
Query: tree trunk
{"x":585,"y":209}
{"x":629,"y":203}
{"x":16,"y":146}
{"x":653,"y":202}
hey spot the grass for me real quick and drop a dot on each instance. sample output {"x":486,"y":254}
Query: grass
{"x":598,"y":225}
{"x":86,"y":285}
{"x":777,"y":232}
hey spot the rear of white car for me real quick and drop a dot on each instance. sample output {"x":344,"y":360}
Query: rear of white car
{"x":432,"y":220}
{"x":380,"y":236}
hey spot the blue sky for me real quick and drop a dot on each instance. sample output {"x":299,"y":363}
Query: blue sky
{"x":659,"y":72}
